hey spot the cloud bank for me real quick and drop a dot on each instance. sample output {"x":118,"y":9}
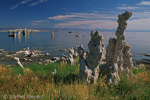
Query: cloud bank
{"x":85,"y":20}
{"x":103,"y":19}
{"x":144,"y":3}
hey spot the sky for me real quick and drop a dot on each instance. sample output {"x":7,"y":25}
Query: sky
{"x":82,"y":14}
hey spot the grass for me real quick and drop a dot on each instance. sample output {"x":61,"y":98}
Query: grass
{"x":142,"y":69}
{"x":37,"y":83}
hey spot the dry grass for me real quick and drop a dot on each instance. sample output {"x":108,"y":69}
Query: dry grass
{"x":44,"y":86}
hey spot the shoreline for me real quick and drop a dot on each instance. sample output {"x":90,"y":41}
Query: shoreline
{"x":26,"y":57}
{"x":30,"y":30}
{"x":29,"y":57}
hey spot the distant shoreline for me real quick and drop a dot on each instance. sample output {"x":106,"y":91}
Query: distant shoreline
{"x":16,"y":30}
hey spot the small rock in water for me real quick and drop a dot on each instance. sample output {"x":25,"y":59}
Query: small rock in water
{"x":147,"y":55}
{"x":62,"y":50}
{"x":71,"y":32}
{"x":1,"y":49}
{"x":77,"y":35}
{"x":47,"y":54}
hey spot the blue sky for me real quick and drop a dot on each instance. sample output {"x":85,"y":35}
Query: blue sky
{"x":84,"y":14}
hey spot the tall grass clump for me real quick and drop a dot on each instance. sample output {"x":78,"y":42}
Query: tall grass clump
{"x":38,"y":82}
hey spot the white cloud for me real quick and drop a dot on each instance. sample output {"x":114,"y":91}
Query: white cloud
{"x":21,"y":3}
{"x":144,"y":3}
{"x":128,"y":8}
{"x":62,"y":17}
{"x":25,"y":2}
{"x":38,"y":22}
{"x":141,"y":15}
{"x":141,"y":5}
{"x":38,"y":2}
{"x":13,"y":7}
{"x":138,"y":21}
{"x":139,"y":24}
{"x":88,"y":24}
{"x":80,"y":16}
{"x":85,"y":20}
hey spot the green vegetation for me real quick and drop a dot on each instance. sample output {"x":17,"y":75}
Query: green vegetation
{"x":38,"y":82}
{"x":141,"y":69}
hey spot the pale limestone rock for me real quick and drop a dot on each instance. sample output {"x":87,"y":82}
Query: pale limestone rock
{"x":82,"y":57}
{"x":113,"y":75}
{"x":19,"y":32}
{"x":127,"y":57}
{"x":88,"y":74}
{"x":75,"y":55}
{"x":18,"y":62}
{"x":54,"y":72}
{"x":64,"y":58}
{"x":118,"y":52}
{"x":47,"y":61}
{"x":52,"y":35}
{"x":47,"y":54}
{"x":71,"y":53}
{"x":89,"y":61}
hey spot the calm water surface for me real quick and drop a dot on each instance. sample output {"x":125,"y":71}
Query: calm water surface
{"x":139,"y":42}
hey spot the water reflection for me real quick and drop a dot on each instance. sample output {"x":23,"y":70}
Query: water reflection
{"x":19,"y":34}
{"x":52,"y":35}
{"x":52,"y":41}
{"x":19,"y":37}
{"x":26,"y":37}
{"x":12,"y":35}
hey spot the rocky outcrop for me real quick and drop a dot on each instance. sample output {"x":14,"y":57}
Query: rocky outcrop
{"x":64,"y":58}
{"x":52,"y":60}
{"x":73,"y":54}
{"x":118,"y":56}
{"x":27,"y":56}
{"x":113,"y":74}
{"x":89,"y":61}
{"x":71,"y":58}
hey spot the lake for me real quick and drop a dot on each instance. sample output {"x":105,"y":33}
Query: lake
{"x":139,"y":42}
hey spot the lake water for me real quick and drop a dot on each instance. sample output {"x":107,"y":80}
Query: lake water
{"x":139,"y":42}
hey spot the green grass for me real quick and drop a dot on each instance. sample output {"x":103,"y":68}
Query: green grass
{"x":47,"y":69}
{"x":142,"y":69}
{"x":37,"y":80}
